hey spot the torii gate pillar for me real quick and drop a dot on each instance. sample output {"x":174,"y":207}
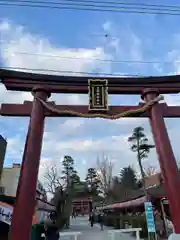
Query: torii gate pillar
{"x":167,"y":159}
{"x":26,"y":198}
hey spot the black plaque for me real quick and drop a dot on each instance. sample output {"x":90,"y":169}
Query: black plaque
{"x":98,"y":94}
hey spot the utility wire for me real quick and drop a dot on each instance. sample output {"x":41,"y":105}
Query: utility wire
{"x":94,"y":59}
{"x":95,"y":8}
{"x":69,"y":72}
{"x":84,"y":4}
{"x":79,"y":2}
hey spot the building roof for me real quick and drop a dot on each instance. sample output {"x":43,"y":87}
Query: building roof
{"x":153,"y":180}
{"x":41,"y":204}
{"x":135,"y":198}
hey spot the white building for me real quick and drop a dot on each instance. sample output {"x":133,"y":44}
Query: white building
{"x":8,"y":186}
{"x":9,"y":181}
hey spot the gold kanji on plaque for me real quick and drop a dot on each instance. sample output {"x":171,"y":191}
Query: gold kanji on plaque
{"x":98,"y":94}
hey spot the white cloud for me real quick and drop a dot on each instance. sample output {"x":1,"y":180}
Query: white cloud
{"x":71,"y":125}
{"x":113,"y":143}
{"x":107,"y":26}
{"x":131,"y":121}
{"x":61,"y":136}
{"x":172,"y":100}
{"x":136,"y":48}
{"x":16,"y":41}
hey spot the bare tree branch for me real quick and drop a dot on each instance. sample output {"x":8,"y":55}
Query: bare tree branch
{"x":104,"y":173}
{"x":53,"y":179}
{"x":150,"y":171}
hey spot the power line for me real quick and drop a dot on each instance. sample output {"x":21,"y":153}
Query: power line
{"x":94,"y":8}
{"x":79,"y":2}
{"x":70,"y":72}
{"x":84,"y":4}
{"x":124,"y":3}
{"x":94,"y":59}
{"x":128,"y":4}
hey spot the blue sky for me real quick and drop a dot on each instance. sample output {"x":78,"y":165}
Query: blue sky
{"x":82,"y":34}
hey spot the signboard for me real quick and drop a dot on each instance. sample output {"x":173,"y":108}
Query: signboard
{"x":6,"y":211}
{"x":149,"y":217}
{"x":98,"y":94}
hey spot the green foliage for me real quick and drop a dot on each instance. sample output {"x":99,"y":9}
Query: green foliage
{"x":63,"y":196}
{"x":92,"y":181}
{"x":75,"y":179}
{"x":128,"y":178}
{"x":140,"y":145}
{"x":123,"y":186}
{"x":117,"y":190}
{"x":70,"y":175}
{"x":68,"y":165}
{"x":140,"y":142}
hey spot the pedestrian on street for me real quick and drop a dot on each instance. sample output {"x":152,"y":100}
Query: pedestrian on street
{"x":101,"y":220}
{"x":92,"y":220}
{"x":51,"y":229}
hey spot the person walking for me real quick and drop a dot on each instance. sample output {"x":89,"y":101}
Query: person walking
{"x":51,"y":229}
{"x":92,"y":220}
{"x":101,"y":221}
{"x":158,"y":223}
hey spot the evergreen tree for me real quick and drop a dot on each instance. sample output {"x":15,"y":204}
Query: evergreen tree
{"x":128,"y":178}
{"x":92,"y":181}
{"x":141,"y":146}
{"x":71,"y":178}
{"x":70,"y":175}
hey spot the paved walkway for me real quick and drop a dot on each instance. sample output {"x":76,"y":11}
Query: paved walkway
{"x":81,"y":224}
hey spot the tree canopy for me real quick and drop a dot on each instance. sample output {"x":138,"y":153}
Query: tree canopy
{"x":99,"y":183}
{"x":128,"y":178}
{"x":69,"y":174}
{"x":140,"y":145}
{"x":92,"y":181}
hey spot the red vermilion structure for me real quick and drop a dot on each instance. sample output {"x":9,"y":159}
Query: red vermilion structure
{"x":166,"y":156}
{"x":42,"y":86}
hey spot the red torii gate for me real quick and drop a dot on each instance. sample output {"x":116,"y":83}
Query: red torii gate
{"x":42,"y":86}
